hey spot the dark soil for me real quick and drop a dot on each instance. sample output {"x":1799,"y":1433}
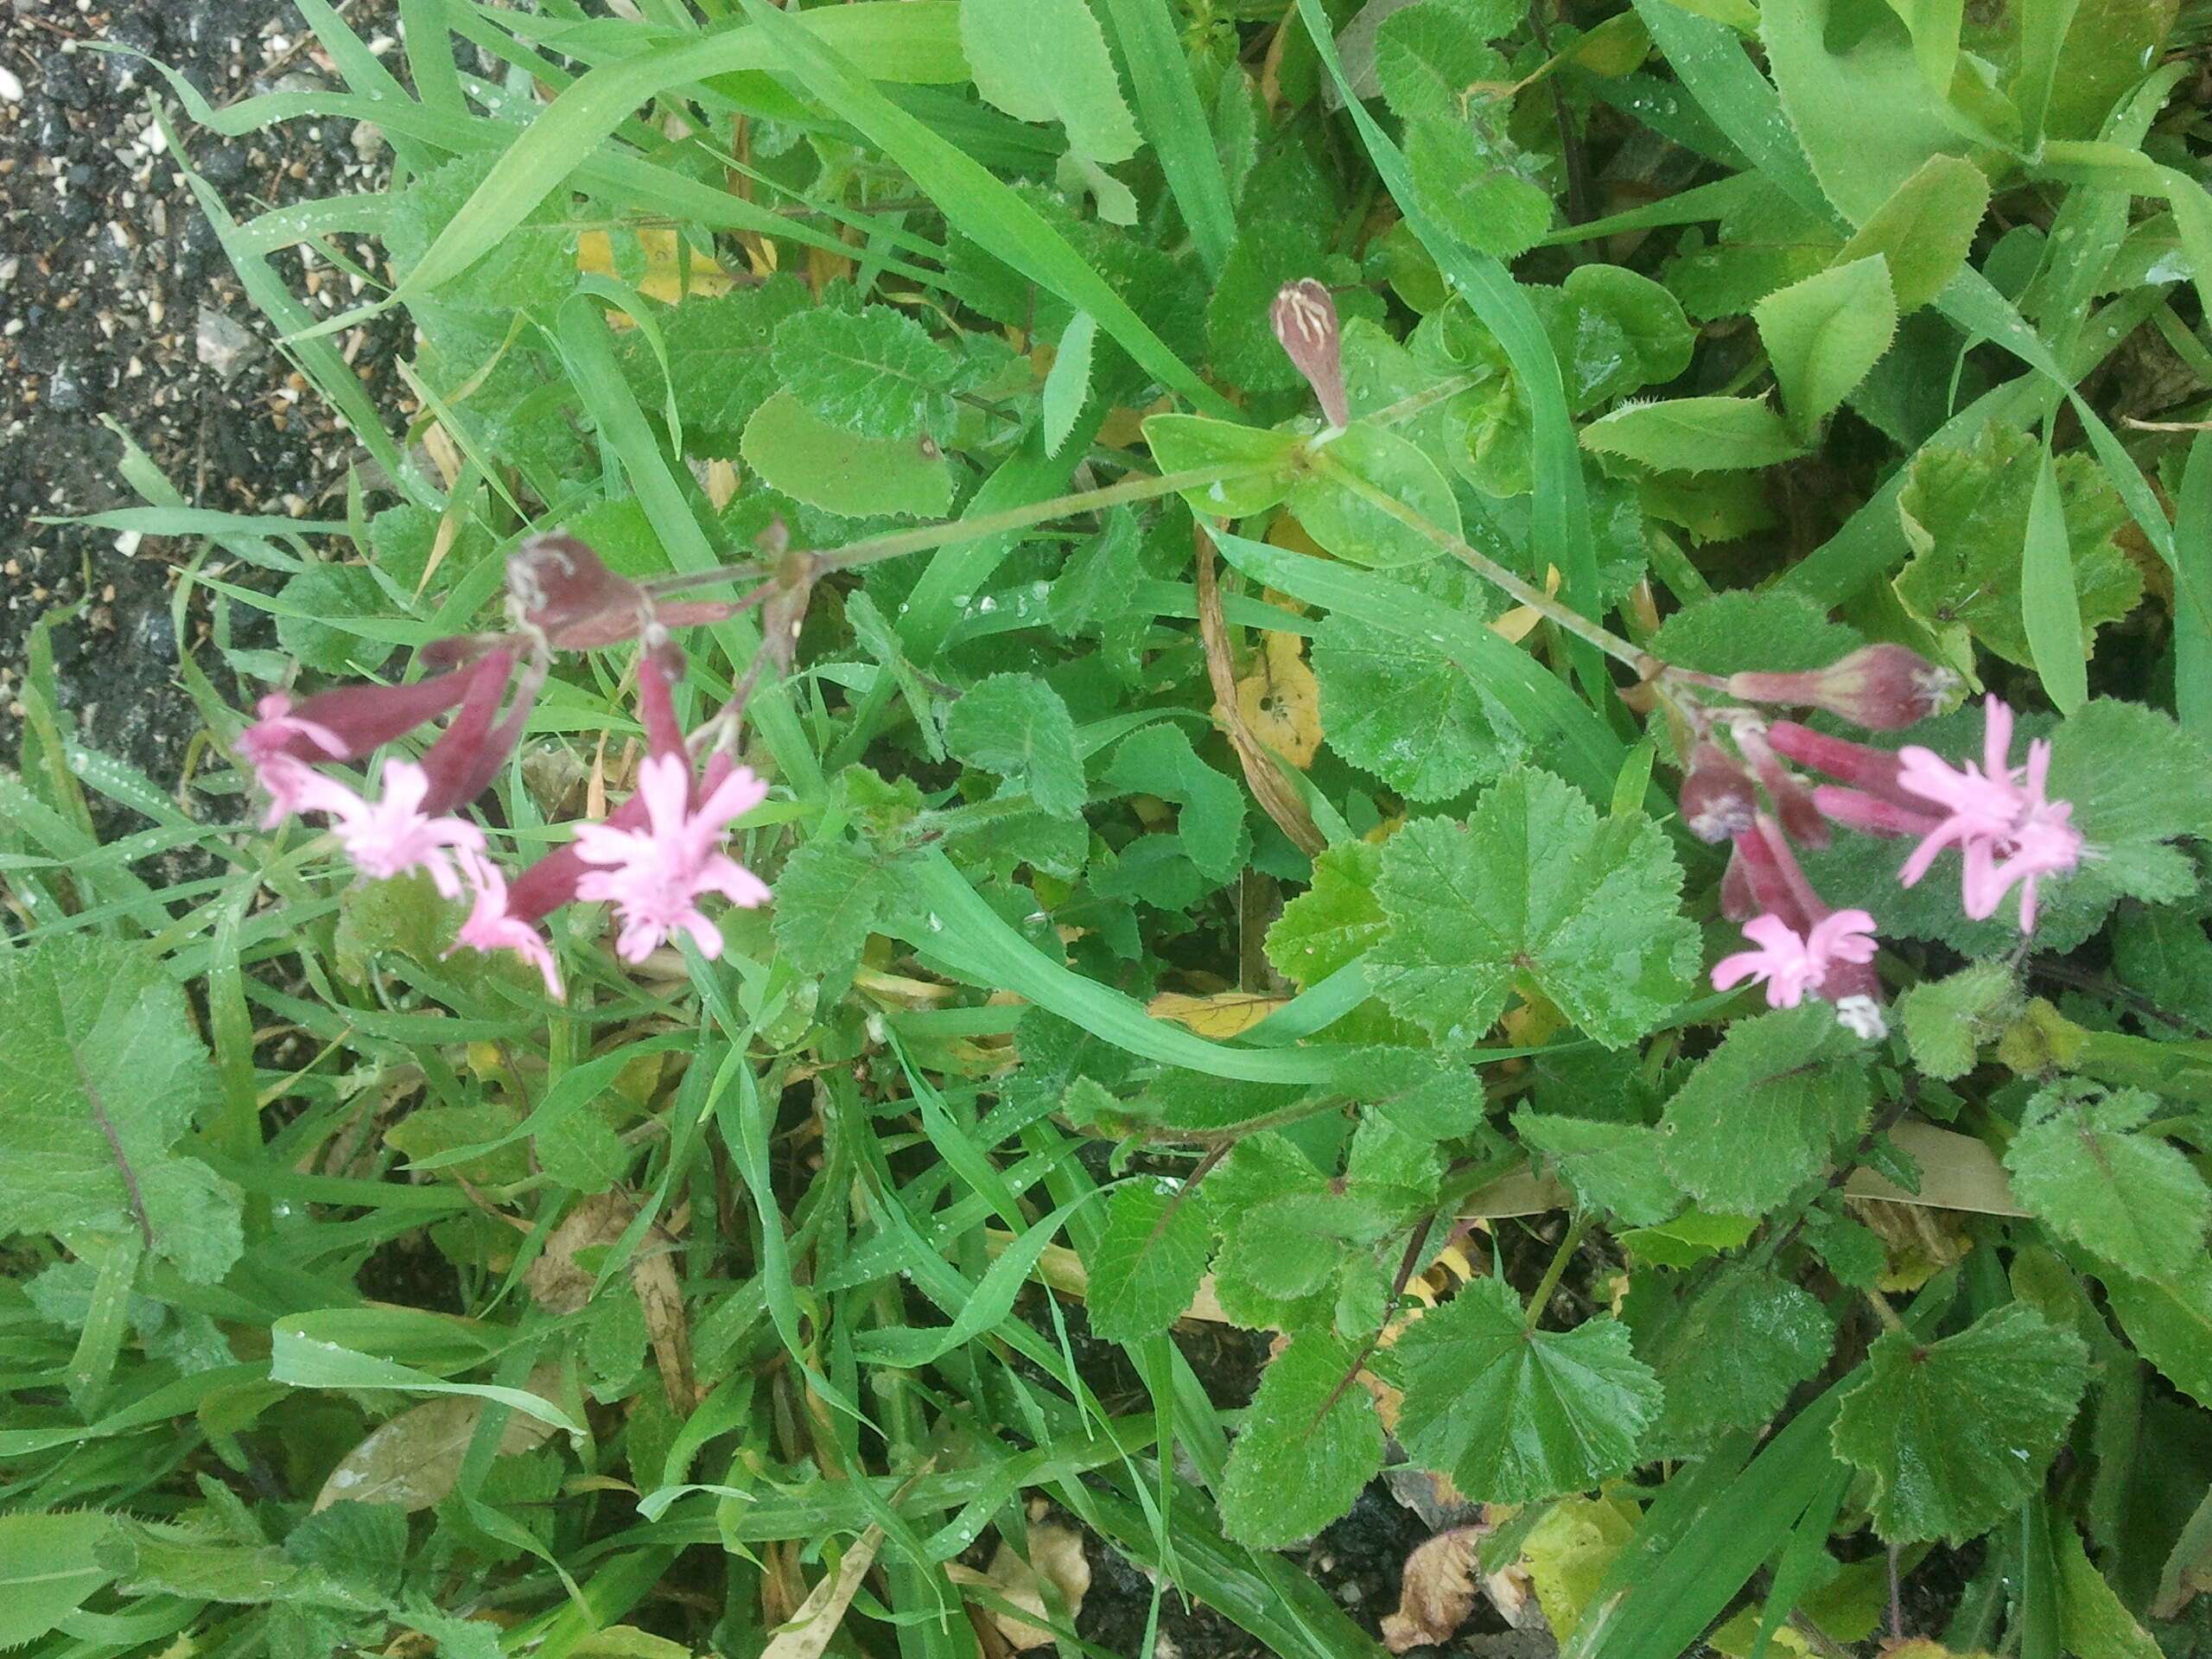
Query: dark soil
{"x":118,"y":305}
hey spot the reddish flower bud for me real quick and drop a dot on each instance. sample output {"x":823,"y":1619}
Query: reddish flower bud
{"x":1305,"y":320}
{"x":1739,"y":901}
{"x":1877,"y":817}
{"x":1793,"y":802}
{"x":1717,"y":797}
{"x":348,"y":722}
{"x":1883,"y":687}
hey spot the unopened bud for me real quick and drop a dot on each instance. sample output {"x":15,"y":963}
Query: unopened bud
{"x":1716,"y":798}
{"x":1883,"y":687}
{"x":1305,"y":320}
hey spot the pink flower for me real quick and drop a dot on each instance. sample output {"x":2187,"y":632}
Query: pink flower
{"x":279,"y":732}
{"x":288,"y":783}
{"x":1793,"y":963}
{"x":2006,"y":828}
{"x":490,"y":927}
{"x":655,"y":876}
{"x":393,"y":835}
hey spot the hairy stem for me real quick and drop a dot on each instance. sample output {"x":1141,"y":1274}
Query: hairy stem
{"x":1567,"y":1246}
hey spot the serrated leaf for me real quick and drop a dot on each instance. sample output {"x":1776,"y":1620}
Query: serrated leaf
{"x":1759,"y":1115}
{"x":1742,"y":631}
{"x":1824,"y":333}
{"x":2132,"y":1199}
{"x":1536,"y":885}
{"x":1479,"y":185}
{"x":1310,"y":1441}
{"x":1694,"y":435}
{"x":47,"y":1569}
{"x":1333,"y":922}
{"x":1925,"y":229}
{"x":1404,"y":709}
{"x":828,"y":899}
{"x":1345,"y":521}
{"x":1046,"y":60}
{"x":1946,"y":1020}
{"x":1018,"y":727}
{"x":173,"y":1560}
{"x":873,"y":372}
{"x":1965,"y":510}
{"x":103,"y":1076}
{"x":721,"y":362}
{"x":1148,"y":1259}
{"x":1609,"y":1166}
{"x":1067,"y":383}
{"x":824,"y":467}
{"x":1730,"y":1357}
{"x":2169,"y":1321}
{"x":1160,"y":760}
{"x":1514,"y":1415}
{"x":2093,"y":1622}
{"x":1431,"y":58}
{"x":1957,"y":1433}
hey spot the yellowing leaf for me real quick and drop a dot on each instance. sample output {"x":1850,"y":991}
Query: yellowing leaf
{"x":664,"y":278}
{"x":1231,"y":1013}
{"x":1281,"y":700}
{"x":1568,"y":1551}
{"x":414,"y":1459}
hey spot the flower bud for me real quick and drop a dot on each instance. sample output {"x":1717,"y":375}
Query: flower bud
{"x":1872,"y":770}
{"x":1871,"y":813}
{"x":1717,"y":798}
{"x":1305,"y":320}
{"x":1883,"y":687}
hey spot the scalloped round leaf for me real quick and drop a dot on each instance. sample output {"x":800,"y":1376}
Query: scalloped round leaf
{"x":1310,"y":1441}
{"x":1957,"y":1433}
{"x":1773,"y":630}
{"x":825,"y":466}
{"x":1514,"y":1415}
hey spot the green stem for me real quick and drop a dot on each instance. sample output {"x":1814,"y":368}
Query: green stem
{"x":1554,"y":1274}
{"x":1484,"y":566}
{"x":1888,"y":1315}
{"x":876,"y":549}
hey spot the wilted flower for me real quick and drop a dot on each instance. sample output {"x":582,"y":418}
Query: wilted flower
{"x":1304,"y":318}
{"x":1883,"y":687}
{"x":1716,"y":798}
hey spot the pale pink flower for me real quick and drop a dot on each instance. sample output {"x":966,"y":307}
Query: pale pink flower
{"x":490,"y":927}
{"x":2006,"y":828}
{"x":279,"y":731}
{"x":288,"y":783}
{"x":393,"y":835}
{"x":1793,"y":963}
{"x":655,"y":876}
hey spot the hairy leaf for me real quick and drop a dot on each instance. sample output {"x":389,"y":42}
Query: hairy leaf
{"x":1759,"y":1116}
{"x":1957,"y":1432}
{"x":1148,"y":1259}
{"x":1535,"y":885}
{"x":103,"y":1076}
{"x":1019,"y":728}
{"x":1512,"y":1415}
{"x":1310,"y":1442}
{"x":2132,"y":1199}
{"x":873,"y":372}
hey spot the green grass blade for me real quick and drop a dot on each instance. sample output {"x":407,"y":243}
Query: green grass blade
{"x":2051,"y":608}
{"x":978,"y":204}
{"x":1174,"y":120}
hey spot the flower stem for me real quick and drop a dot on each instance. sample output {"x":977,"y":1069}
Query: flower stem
{"x":1487,"y":568}
{"x":877,"y":549}
{"x":1554,"y":1274}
